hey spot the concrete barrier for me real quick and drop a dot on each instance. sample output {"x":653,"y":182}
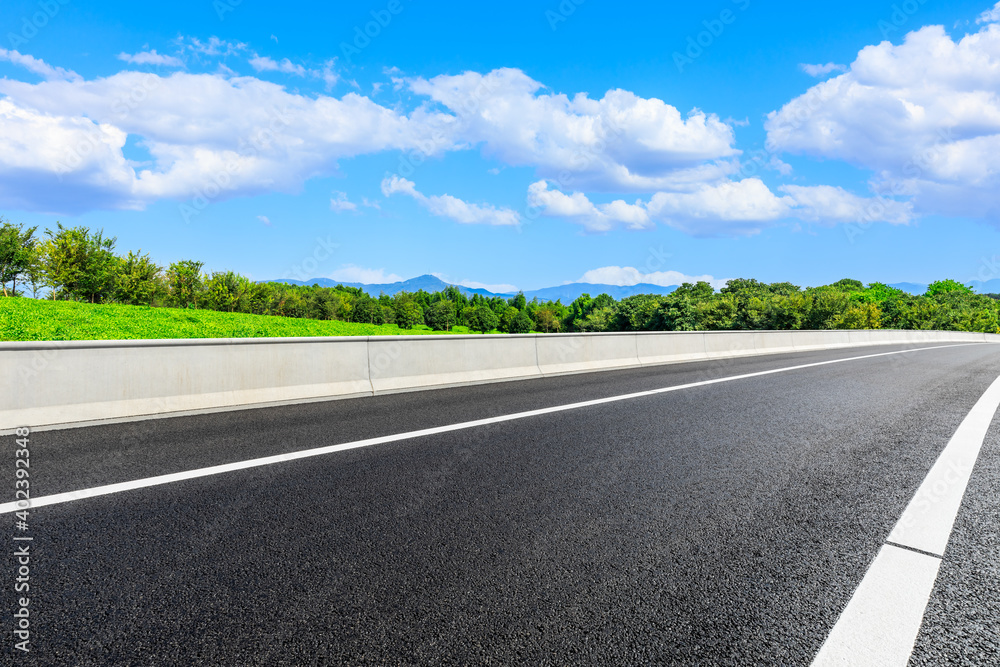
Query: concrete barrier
{"x":726,"y":344}
{"x":653,"y":348}
{"x":774,"y":342}
{"x":402,"y":363}
{"x":52,"y":383}
{"x":83,"y":381}
{"x":576,"y":353}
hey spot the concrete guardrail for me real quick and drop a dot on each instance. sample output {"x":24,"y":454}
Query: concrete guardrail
{"x":50,"y":383}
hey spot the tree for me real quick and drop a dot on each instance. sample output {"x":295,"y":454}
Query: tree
{"x":547,"y":319}
{"x":17,"y":253}
{"x":185,"y":283}
{"x":946,"y":286}
{"x":80,"y":264}
{"x":522,"y":323}
{"x":409,"y":315}
{"x":481,"y":318}
{"x":138,"y":280}
{"x":227,"y":291}
{"x":440,"y":316}
{"x":367,"y":310}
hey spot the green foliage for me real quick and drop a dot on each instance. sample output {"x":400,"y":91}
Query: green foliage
{"x":481,"y":318}
{"x":184,"y":283}
{"x":30,"y":319}
{"x":18,"y":256}
{"x":947,"y":286}
{"x":441,"y":316}
{"x":409,"y":315}
{"x":138,"y":280}
{"x":79,"y":265}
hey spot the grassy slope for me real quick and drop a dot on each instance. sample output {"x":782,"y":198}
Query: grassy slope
{"x":28,"y":319}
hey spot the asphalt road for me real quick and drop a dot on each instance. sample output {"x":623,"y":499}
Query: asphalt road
{"x":722,"y":524}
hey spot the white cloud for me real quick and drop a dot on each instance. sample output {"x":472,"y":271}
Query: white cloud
{"x":264,"y":219}
{"x":728,"y":208}
{"x":357,"y":274}
{"x":39,"y":67}
{"x":923,"y":116}
{"x":827,"y":204}
{"x":151,"y":58}
{"x":579,"y":209}
{"x":286,"y":66}
{"x":621,"y":142}
{"x":626,"y":276}
{"x":243,"y":137}
{"x":990,"y":15}
{"x":822,"y":70}
{"x":453,"y":208}
{"x":339,"y":202}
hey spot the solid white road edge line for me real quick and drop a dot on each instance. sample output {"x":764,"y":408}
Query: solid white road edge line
{"x":881,"y":622}
{"x":55,"y":499}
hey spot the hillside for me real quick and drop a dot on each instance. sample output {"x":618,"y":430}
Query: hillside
{"x":30,"y":319}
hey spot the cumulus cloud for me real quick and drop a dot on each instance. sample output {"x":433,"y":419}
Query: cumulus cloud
{"x":264,"y":219}
{"x":822,"y":70}
{"x":579,"y":209}
{"x":151,"y":58}
{"x":923,"y":116}
{"x":626,"y":276}
{"x":243,"y":137}
{"x":621,"y":142}
{"x":339,"y":202}
{"x":450,"y":207}
{"x":728,"y":208}
{"x":357,"y":274}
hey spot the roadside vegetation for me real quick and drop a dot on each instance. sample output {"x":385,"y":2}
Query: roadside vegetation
{"x":91,"y":292}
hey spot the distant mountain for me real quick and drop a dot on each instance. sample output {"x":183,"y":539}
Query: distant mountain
{"x":567,"y":293}
{"x":426,"y":283}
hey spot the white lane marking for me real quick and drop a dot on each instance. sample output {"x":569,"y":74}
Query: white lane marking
{"x":880,"y":624}
{"x":7,"y":508}
{"x":928,"y":520}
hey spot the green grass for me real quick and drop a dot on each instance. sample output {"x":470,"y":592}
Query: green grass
{"x":23,"y":319}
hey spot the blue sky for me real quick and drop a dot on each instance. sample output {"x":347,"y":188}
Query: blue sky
{"x":514,"y":145}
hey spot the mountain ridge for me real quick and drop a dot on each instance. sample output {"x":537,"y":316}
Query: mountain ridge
{"x":565,"y":293}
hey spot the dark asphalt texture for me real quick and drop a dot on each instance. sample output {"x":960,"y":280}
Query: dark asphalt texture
{"x":725,"y":524}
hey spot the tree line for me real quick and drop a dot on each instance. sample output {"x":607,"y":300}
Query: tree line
{"x":79,"y":264}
